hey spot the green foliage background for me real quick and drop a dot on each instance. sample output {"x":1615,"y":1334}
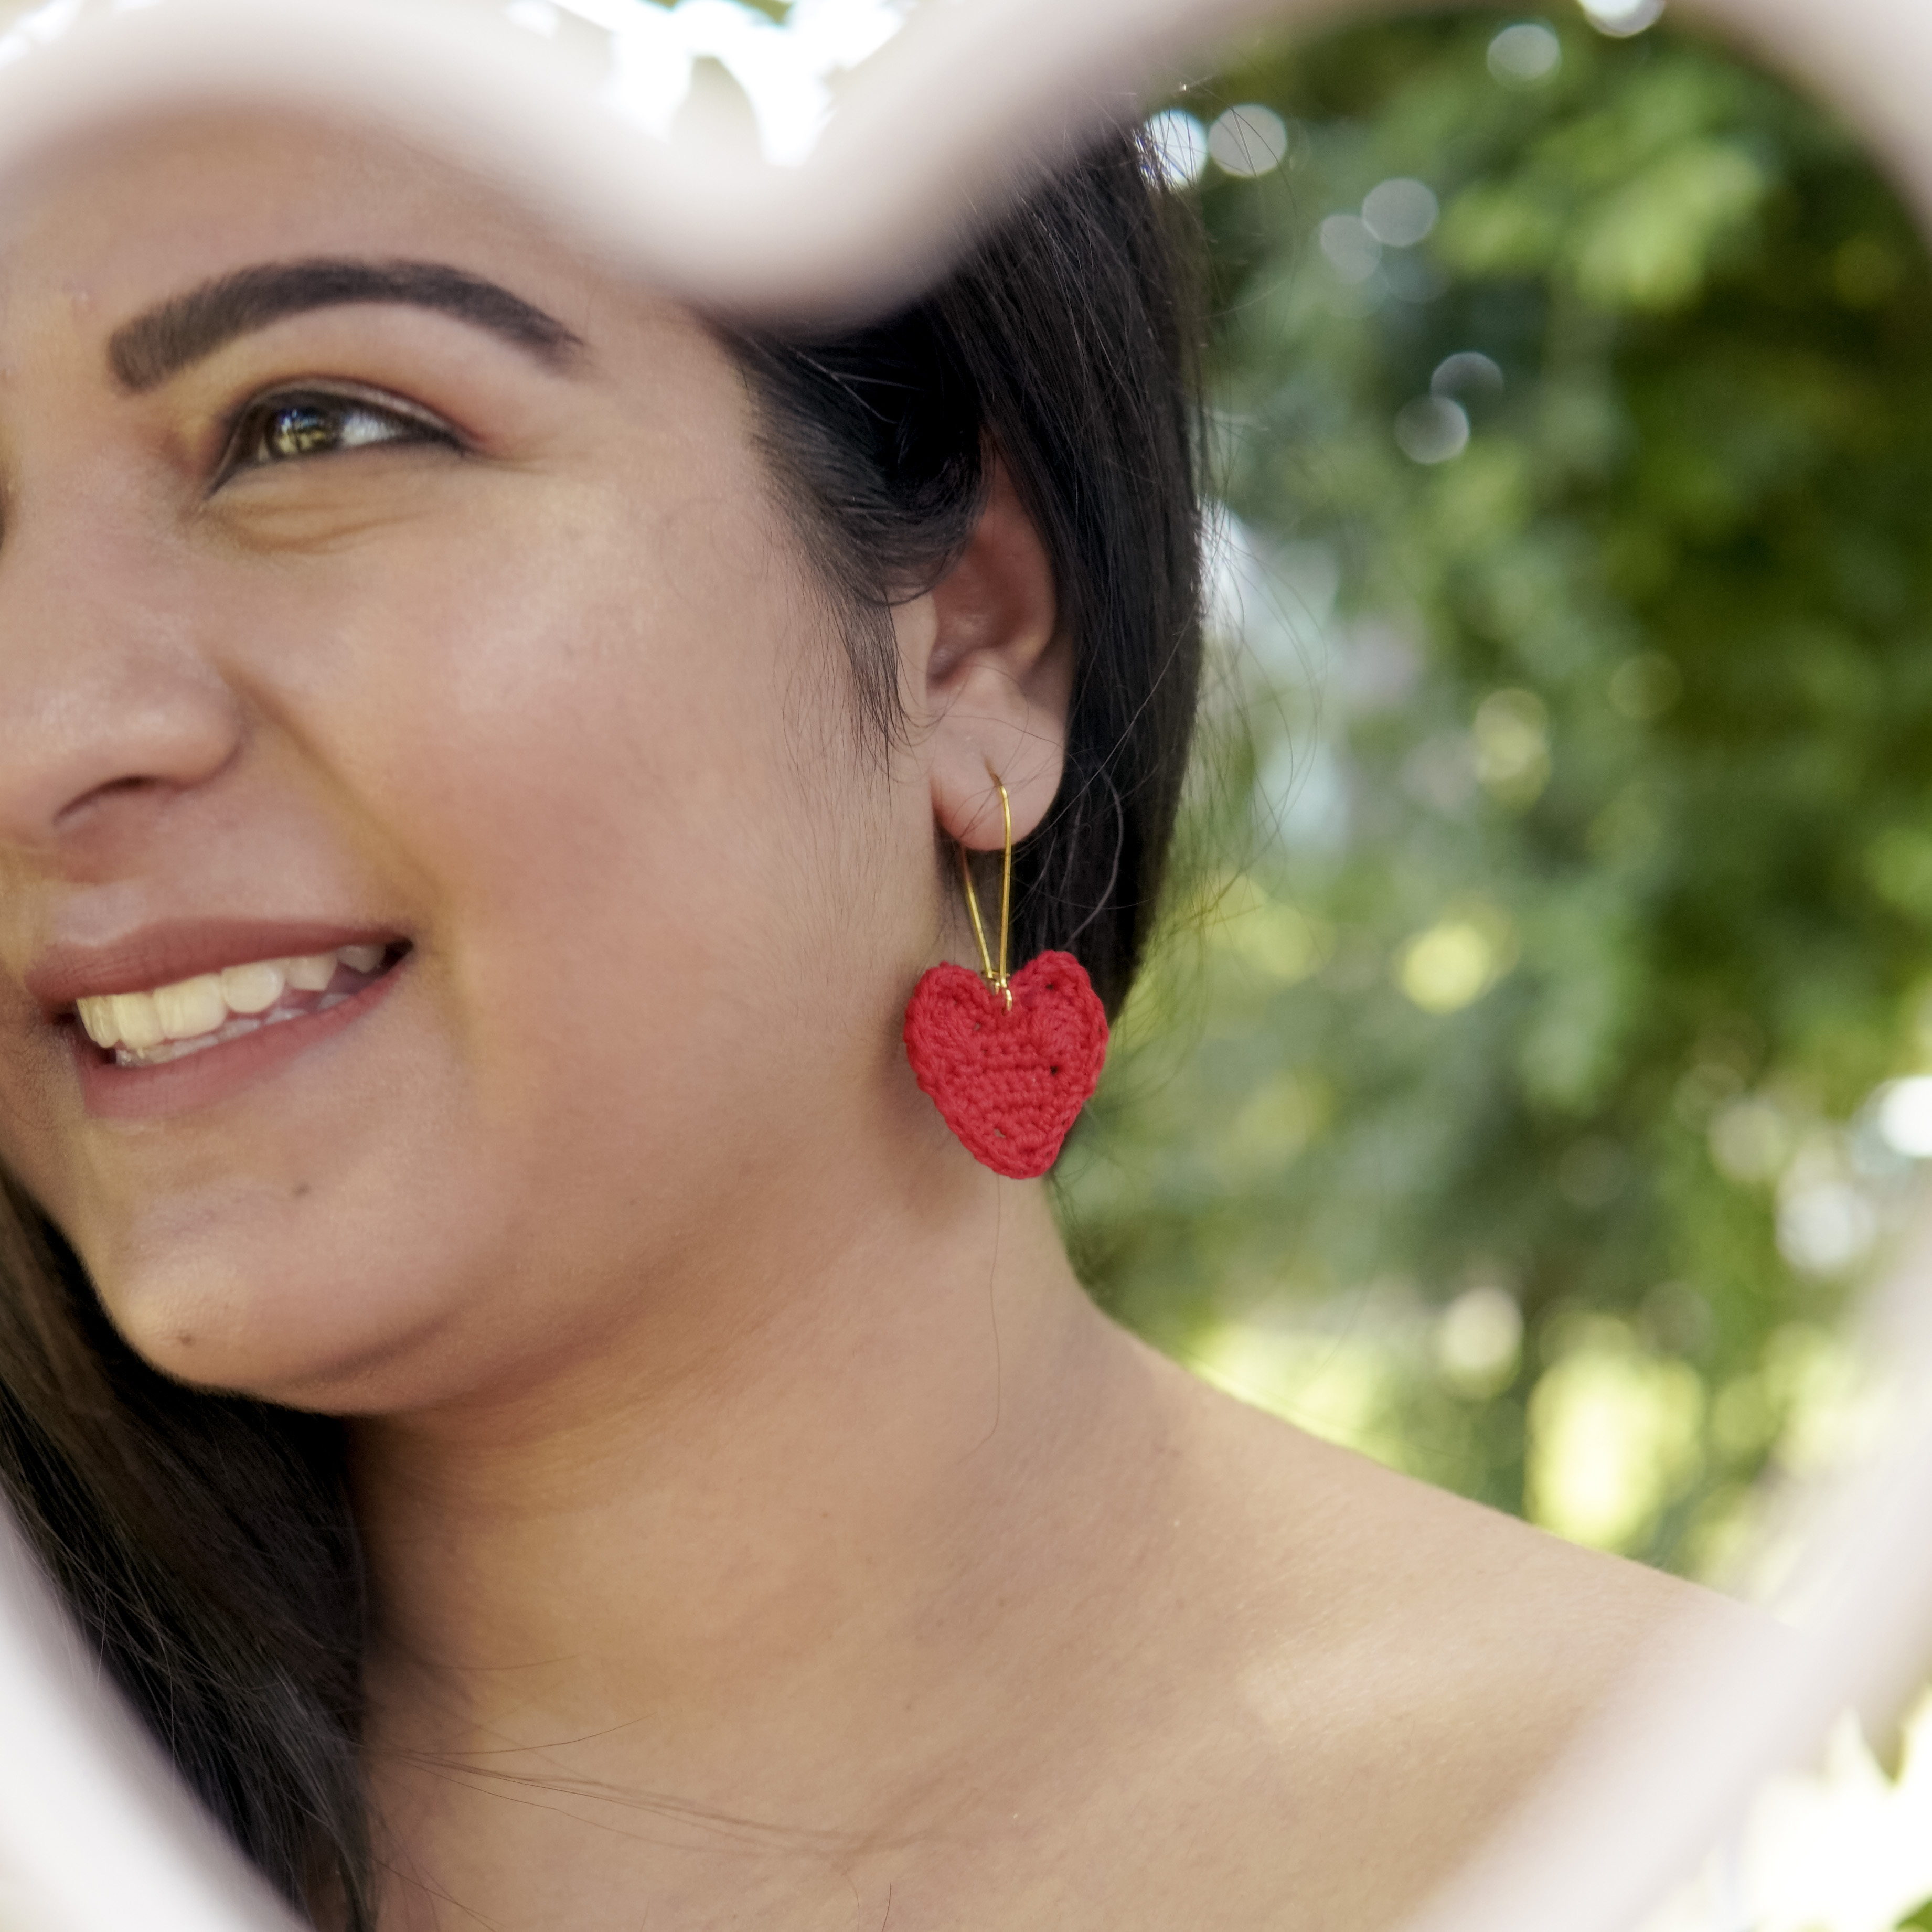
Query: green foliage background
{"x":1605,"y":738}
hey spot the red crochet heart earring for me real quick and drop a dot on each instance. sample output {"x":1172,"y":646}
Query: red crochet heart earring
{"x":1008,"y":1062}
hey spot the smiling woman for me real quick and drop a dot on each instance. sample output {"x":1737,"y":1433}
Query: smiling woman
{"x":517,"y":1382}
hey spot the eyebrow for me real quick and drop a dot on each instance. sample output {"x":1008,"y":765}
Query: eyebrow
{"x":171,"y":337}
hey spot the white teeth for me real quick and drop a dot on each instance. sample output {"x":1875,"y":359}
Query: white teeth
{"x":233,"y":1029}
{"x":153,"y":1027}
{"x":97,"y":1017}
{"x":191,"y":1007}
{"x":312,"y":973}
{"x":136,"y":1024}
{"x":255,"y":989}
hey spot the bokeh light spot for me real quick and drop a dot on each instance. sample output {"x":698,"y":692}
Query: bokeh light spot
{"x":1455,"y":962}
{"x":1181,"y":142}
{"x":1621,"y":18}
{"x":1614,"y":1436}
{"x":1399,"y":212}
{"x":1525,"y":54}
{"x":1825,"y":1229}
{"x":1432,"y":429}
{"x":1479,"y":1341}
{"x":1512,"y":736}
{"x":1248,"y":140}
{"x":1904,"y":1114}
{"x":1467,"y":370}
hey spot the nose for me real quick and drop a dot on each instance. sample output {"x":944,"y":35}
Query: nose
{"x":110,"y":706}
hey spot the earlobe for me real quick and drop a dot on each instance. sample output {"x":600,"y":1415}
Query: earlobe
{"x":997,"y":677}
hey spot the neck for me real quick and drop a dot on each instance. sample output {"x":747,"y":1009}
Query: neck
{"x":781,"y":1500}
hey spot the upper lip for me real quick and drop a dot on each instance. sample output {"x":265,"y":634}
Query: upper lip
{"x":160,"y":955}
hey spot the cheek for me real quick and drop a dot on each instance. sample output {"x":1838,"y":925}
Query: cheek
{"x":604,"y":767}
{"x":606,"y":790}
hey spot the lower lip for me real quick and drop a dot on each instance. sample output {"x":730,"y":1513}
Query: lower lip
{"x":114,"y":1093}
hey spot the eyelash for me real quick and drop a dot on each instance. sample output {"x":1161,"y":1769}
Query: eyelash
{"x":247,"y":447}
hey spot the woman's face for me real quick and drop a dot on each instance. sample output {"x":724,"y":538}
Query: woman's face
{"x":460,"y":620}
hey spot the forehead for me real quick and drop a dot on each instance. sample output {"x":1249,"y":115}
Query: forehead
{"x":105,"y":227}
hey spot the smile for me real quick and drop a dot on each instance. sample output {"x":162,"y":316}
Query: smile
{"x":177,"y":1045}
{"x":190,"y":1016}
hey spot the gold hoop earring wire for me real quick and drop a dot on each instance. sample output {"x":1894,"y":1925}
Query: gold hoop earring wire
{"x":997,"y":981}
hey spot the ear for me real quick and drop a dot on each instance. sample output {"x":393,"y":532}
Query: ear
{"x":998,"y":674}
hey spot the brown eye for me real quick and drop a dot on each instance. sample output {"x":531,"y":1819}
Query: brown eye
{"x":300,"y":430}
{"x":292,"y":426}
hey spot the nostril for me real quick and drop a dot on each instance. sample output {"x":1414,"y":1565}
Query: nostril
{"x":114,"y":787}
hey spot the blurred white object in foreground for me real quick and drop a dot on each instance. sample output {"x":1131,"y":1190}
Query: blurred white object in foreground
{"x":1842,"y":1849}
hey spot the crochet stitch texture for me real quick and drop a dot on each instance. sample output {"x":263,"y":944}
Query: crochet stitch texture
{"x":1008,"y":1083}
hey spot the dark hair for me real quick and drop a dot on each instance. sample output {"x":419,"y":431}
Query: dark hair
{"x":1066,"y":344}
{"x":204,"y":1542}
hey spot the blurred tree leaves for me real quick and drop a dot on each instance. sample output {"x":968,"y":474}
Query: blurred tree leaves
{"x":1562,"y":878}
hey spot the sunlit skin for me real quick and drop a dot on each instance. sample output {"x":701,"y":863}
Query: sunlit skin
{"x":766,"y":1530}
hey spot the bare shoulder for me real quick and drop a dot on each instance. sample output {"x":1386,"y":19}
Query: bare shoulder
{"x":1469,"y":1618}
{"x":1393,"y":1666}
{"x":1351,"y":1546}
{"x":1385,"y":1550}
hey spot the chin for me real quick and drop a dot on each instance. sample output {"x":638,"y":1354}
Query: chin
{"x":310,"y":1330}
